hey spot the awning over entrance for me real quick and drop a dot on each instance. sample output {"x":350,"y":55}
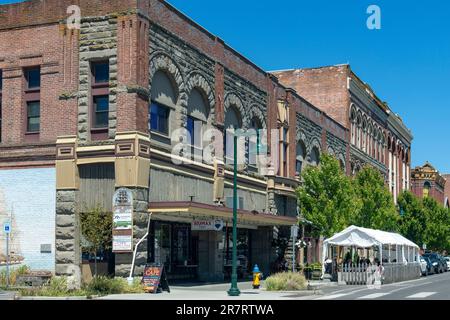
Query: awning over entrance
{"x":190,"y":210}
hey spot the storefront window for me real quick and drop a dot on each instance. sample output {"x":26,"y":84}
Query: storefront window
{"x":180,"y":252}
{"x":243,"y":247}
{"x":171,"y":246}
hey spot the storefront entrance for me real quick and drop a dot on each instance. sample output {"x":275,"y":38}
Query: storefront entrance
{"x":244,"y":259}
{"x":173,"y":245}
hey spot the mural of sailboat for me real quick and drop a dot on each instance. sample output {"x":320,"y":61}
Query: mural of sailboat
{"x":15,"y":256}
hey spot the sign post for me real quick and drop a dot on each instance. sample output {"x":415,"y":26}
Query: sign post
{"x":123,"y":221}
{"x":294,"y":235}
{"x":7,"y":230}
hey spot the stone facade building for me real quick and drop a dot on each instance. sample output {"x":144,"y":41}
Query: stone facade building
{"x":447,"y":190}
{"x":137,"y":96}
{"x":99,"y":106}
{"x":378,"y":136}
{"x":428,"y":182}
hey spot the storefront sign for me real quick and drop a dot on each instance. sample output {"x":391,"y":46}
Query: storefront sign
{"x":123,"y":221}
{"x":207,"y":225}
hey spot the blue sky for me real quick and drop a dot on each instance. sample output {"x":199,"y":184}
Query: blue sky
{"x":407,"y":62}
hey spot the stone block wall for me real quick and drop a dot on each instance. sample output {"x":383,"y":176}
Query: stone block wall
{"x":68,"y":230}
{"x":98,"y":41}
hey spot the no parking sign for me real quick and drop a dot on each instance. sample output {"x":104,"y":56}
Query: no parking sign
{"x":7,"y":227}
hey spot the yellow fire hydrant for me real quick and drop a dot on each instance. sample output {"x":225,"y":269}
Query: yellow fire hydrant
{"x":257,"y":275}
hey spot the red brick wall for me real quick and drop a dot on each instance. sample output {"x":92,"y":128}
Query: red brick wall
{"x":325,"y":88}
{"x":447,"y":187}
{"x":37,"y":12}
{"x":133,"y":63}
{"x":54,"y":50}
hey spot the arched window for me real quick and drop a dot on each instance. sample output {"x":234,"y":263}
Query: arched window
{"x":342,"y":164}
{"x":315,"y":156}
{"x":300,"y":160}
{"x":254,"y":142}
{"x":364,"y":135}
{"x":233,"y":121}
{"x":197,"y":117}
{"x":164,"y":97}
{"x":426,"y":189}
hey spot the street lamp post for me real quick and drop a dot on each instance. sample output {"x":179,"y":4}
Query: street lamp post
{"x":234,"y":290}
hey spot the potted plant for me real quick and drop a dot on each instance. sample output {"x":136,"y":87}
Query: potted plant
{"x":316,"y":271}
{"x":307,"y":271}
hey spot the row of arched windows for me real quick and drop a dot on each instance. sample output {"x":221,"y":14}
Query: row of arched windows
{"x":367,"y":135}
{"x":164,"y":110}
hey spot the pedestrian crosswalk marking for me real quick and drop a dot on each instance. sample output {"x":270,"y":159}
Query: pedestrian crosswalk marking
{"x":374,"y":295}
{"x":333,"y":296}
{"x":421,"y":295}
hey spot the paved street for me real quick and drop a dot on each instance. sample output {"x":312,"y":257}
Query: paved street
{"x":434,"y":287}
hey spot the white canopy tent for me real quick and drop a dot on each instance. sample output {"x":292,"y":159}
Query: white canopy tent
{"x":363,"y":238}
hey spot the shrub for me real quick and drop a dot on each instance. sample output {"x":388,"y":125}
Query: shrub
{"x":105,"y":286}
{"x":286,"y":281}
{"x":13,"y":274}
{"x":57,"y":287}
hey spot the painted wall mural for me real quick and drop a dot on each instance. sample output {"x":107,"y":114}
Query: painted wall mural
{"x":27,"y":200}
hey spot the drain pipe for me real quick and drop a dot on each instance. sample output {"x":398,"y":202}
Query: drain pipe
{"x":130,"y":278}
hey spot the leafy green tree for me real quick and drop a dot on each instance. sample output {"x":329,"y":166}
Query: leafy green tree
{"x":96,"y":228}
{"x":413,"y":222}
{"x":378,"y":210}
{"x":425,"y":221}
{"x":327,"y":196}
{"x":437,"y":225}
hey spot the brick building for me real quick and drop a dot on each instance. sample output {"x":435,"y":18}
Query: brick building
{"x":377,"y":136}
{"x":447,"y":190}
{"x":89,"y":110}
{"x":428,"y":182}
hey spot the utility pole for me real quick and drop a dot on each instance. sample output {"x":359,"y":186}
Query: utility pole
{"x":7,"y":260}
{"x":234,"y":290}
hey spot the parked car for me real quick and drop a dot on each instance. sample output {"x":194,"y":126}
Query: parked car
{"x":439,"y":265}
{"x":423,"y":266}
{"x":447,"y":259}
{"x":430,"y":267}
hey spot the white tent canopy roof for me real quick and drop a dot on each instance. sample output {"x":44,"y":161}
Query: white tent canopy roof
{"x":366,"y":238}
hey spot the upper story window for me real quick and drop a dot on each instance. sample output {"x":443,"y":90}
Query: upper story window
{"x":300,"y":159}
{"x":232,"y":122}
{"x":101,"y":111}
{"x":100,"y":72}
{"x":32,"y":97}
{"x":426,"y":189}
{"x":285,"y":145}
{"x":164,"y":96}
{"x":1,"y":116}
{"x":33,"y":116}
{"x":198,"y":113}
{"x":33,"y":78}
{"x":254,"y":142}
{"x":159,"y":118}
{"x":99,"y":99}
{"x":315,"y":156}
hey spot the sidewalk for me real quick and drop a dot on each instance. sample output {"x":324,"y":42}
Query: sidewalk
{"x":7,"y":295}
{"x":214,"y":292}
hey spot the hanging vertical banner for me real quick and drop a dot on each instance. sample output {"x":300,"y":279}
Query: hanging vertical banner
{"x":123,"y":221}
